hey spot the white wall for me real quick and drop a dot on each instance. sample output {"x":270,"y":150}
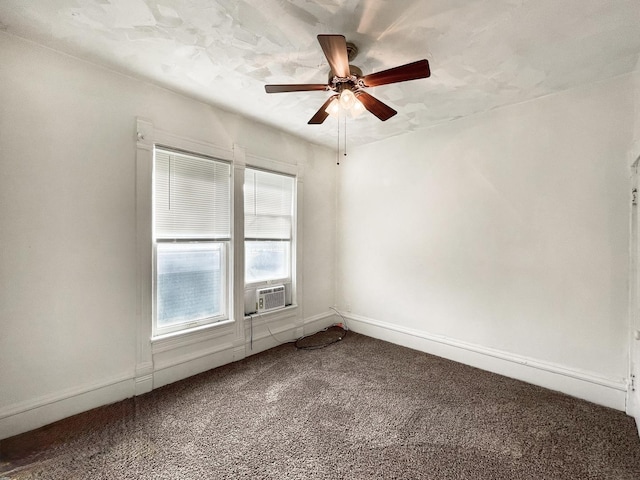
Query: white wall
{"x":633,"y":406}
{"x":636,"y":83}
{"x":68,"y":224}
{"x":500,"y":240}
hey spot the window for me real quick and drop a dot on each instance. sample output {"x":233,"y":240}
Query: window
{"x":268,"y":226}
{"x":191,"y":233}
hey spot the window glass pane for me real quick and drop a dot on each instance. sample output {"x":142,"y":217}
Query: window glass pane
{"x":189,"y":282}
{"x":266,"y":260}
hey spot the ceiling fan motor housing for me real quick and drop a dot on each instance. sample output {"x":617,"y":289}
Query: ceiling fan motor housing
{"x":352,"y":51}
{"x":353,"y":70}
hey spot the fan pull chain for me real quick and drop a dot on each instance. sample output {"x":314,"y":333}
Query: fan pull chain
{"x":338,"y":145}
{"x":344,"y":152}
{"x":345,"y":135}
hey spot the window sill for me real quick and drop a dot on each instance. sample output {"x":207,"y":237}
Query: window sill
{"x":288,"y":311}
{"x":182,"y":338}
{"x":267,"y":283}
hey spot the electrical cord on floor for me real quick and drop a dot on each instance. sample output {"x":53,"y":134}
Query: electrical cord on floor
{"x":336,"y":339}
{"x":299,"y":345}
{"x":344,"y":320}
{"x":298,"y":342}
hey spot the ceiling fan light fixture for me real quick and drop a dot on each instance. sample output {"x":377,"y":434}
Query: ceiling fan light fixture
{"x":357,"y":109}
{"x":334,"y":108}
{"x":347,"y":99}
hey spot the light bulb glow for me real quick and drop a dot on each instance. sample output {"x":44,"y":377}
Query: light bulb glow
{"x":357,"y":108}
{"x":333,"y":109}
{"x":347,"y":99}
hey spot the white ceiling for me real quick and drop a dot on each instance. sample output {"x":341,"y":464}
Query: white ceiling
{"x":483,"y":53}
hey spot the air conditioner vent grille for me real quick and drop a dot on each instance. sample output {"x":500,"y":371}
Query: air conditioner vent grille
{"x":270,"y":298}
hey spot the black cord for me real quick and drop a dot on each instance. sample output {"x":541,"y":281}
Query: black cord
{"x":342,"y":326}
{"x":317,"y":347}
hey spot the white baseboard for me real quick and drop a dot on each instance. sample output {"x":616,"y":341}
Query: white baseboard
{"x":319,"y":322}
{"x":610,"y":392}
{"x":169,"y":366}
{"x":143,"y":378}
{"x":35,"y":413}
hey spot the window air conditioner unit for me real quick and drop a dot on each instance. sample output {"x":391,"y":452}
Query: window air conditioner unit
{"x":270,"y":298}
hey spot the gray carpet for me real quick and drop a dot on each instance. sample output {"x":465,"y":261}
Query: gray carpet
{"x":360,"y":408}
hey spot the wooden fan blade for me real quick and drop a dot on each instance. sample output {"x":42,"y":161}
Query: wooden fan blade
{"x":321,"y":115}
{"x":375,"y":106}
{"x":335,"y":49}
{"x":302,"y":87}
{"x":410,"y":71}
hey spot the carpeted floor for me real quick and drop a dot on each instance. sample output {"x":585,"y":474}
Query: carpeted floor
{"x":360,"y":408}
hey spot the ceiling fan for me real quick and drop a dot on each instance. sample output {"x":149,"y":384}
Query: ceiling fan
{"x":348,"y":83}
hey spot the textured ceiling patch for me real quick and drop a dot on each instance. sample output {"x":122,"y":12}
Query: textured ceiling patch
{"x":483,"y":54}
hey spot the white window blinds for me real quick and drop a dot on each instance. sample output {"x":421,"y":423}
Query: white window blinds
{"x":268,"y":205}
{"x":192,"y":197}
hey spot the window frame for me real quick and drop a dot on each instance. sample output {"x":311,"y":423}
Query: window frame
{"x":226,"y":299}
{"x":290,"y":279}
{"x":167,"y":358}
